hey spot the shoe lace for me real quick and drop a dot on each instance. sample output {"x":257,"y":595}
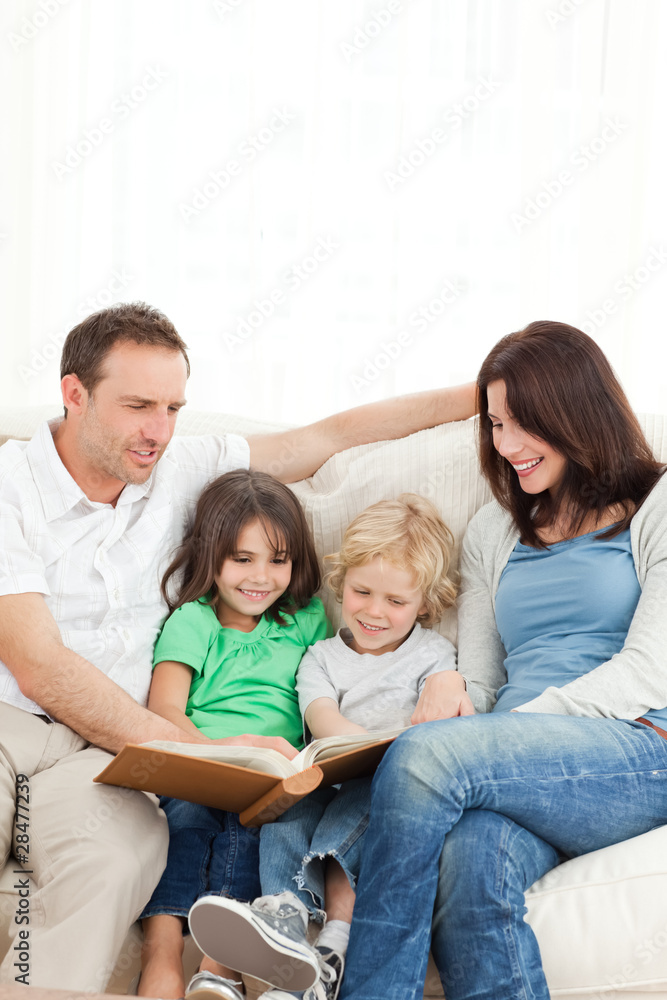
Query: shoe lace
{"x":331,"y":965}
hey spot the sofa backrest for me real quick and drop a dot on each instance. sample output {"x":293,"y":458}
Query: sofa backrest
{"x":439,"y":463}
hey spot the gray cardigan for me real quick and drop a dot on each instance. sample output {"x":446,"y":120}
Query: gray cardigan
{"x":633,"y":681}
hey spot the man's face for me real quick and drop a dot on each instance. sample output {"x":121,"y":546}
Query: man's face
{"x":126,"y":423}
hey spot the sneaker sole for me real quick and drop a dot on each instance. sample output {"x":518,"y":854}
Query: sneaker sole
{"x":211,"y":993}
{"x":226,"y":931}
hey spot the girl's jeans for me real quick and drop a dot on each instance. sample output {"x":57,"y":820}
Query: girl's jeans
{"x":508,"y":796}
{"x":210,"y":853}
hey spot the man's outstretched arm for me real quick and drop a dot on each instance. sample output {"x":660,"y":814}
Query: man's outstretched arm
{"x":73,"y":691}
{"x":297,"y":454}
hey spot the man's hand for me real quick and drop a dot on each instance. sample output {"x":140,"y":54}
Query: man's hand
{"x":268,"y":742}
{"x":443,"y":697}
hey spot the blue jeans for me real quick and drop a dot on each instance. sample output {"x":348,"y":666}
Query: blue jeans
{"x":209,"y":853}
{"x":502,"y":798}
{"x":329,"y":822}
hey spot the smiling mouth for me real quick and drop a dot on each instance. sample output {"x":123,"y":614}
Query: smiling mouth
{"x":143,"y":455}
{"x":371,"y":629}
{"x":254,"y":595}
{"x":525,"y":468}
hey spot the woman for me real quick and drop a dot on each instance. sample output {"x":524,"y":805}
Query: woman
{"x":562,"y":638}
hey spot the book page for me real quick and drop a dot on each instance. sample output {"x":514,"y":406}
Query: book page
{"x":256,"y":758}
{"x":330,"y":746}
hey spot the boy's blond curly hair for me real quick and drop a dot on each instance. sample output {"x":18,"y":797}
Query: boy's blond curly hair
{"x":410,"y":533}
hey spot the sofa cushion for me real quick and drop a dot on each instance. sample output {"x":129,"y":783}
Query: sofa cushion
{"x":600,"y":919}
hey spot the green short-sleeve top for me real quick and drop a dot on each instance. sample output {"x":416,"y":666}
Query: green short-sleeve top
{"x":242,"y":682}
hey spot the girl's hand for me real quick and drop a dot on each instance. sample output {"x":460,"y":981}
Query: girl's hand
{"x":443,"y":697}
{"x":269,"y":742}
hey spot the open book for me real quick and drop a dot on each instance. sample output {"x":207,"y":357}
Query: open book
{"x":258,"y":783}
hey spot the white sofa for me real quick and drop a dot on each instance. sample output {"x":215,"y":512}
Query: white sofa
{"x":601,"y":920}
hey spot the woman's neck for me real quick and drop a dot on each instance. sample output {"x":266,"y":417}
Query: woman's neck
{"x":559,"y":529}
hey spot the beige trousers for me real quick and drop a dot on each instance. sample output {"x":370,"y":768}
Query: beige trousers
{"x":94,"y":854}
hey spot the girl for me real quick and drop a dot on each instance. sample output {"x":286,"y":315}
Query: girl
{"x":225,"y":664}
{"x":392,"y":577}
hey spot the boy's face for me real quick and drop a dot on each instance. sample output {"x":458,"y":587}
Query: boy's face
{"x":380,"y":606}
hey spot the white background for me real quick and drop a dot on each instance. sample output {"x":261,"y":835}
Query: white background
{"x":530,"y":135}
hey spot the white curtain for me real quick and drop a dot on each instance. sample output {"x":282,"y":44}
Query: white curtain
{"x":334,"y":200}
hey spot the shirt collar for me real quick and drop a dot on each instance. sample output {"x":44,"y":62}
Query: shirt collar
{"x":59,"y":492}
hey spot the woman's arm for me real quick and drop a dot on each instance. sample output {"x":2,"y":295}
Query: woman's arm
{"x":324,"y":719}
{"x":481,"y":654}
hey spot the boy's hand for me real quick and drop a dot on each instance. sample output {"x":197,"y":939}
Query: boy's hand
{"x":443,"y":697}
{"x":269,"y":742}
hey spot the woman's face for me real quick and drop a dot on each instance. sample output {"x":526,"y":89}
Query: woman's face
{"x":538,"y":466}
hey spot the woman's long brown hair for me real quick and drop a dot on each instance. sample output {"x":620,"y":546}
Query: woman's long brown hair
{"x":561,"y":388}
{"x":224,"y":508}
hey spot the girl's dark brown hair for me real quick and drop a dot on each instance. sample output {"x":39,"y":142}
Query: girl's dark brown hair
{"x":224,"y":508}
{"x":561,"y":388}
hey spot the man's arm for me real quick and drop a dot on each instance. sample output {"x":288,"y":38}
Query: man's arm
{"x":297,"y":454}
{"x":73,"y":691}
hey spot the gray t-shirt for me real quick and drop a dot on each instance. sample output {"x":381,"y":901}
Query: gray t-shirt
{"x":377,"y":692}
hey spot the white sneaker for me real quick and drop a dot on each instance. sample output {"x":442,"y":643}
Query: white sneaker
{"x":208,"y":986}
{"x":327,"y":986}
{"x":278,"y":995}
{"x":265,"y":939}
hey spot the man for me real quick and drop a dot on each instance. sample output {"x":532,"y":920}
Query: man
{"x":91,"y":510}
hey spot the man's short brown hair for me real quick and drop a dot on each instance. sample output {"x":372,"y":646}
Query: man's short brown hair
{"x":88,"y":344}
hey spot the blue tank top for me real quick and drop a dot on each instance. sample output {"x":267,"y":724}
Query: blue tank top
{"x":564,"y":610}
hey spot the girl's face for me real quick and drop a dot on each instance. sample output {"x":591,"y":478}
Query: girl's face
{"x":538,"y":466}
{"x":380,"y":606}
{"x":251,"y":579}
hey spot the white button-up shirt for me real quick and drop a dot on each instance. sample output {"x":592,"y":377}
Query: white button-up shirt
{"x":99,"y":567}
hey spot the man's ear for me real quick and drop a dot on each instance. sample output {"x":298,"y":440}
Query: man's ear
{"x":75,"y":397}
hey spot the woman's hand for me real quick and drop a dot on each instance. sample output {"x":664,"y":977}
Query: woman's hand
{"x":444,"y":696}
